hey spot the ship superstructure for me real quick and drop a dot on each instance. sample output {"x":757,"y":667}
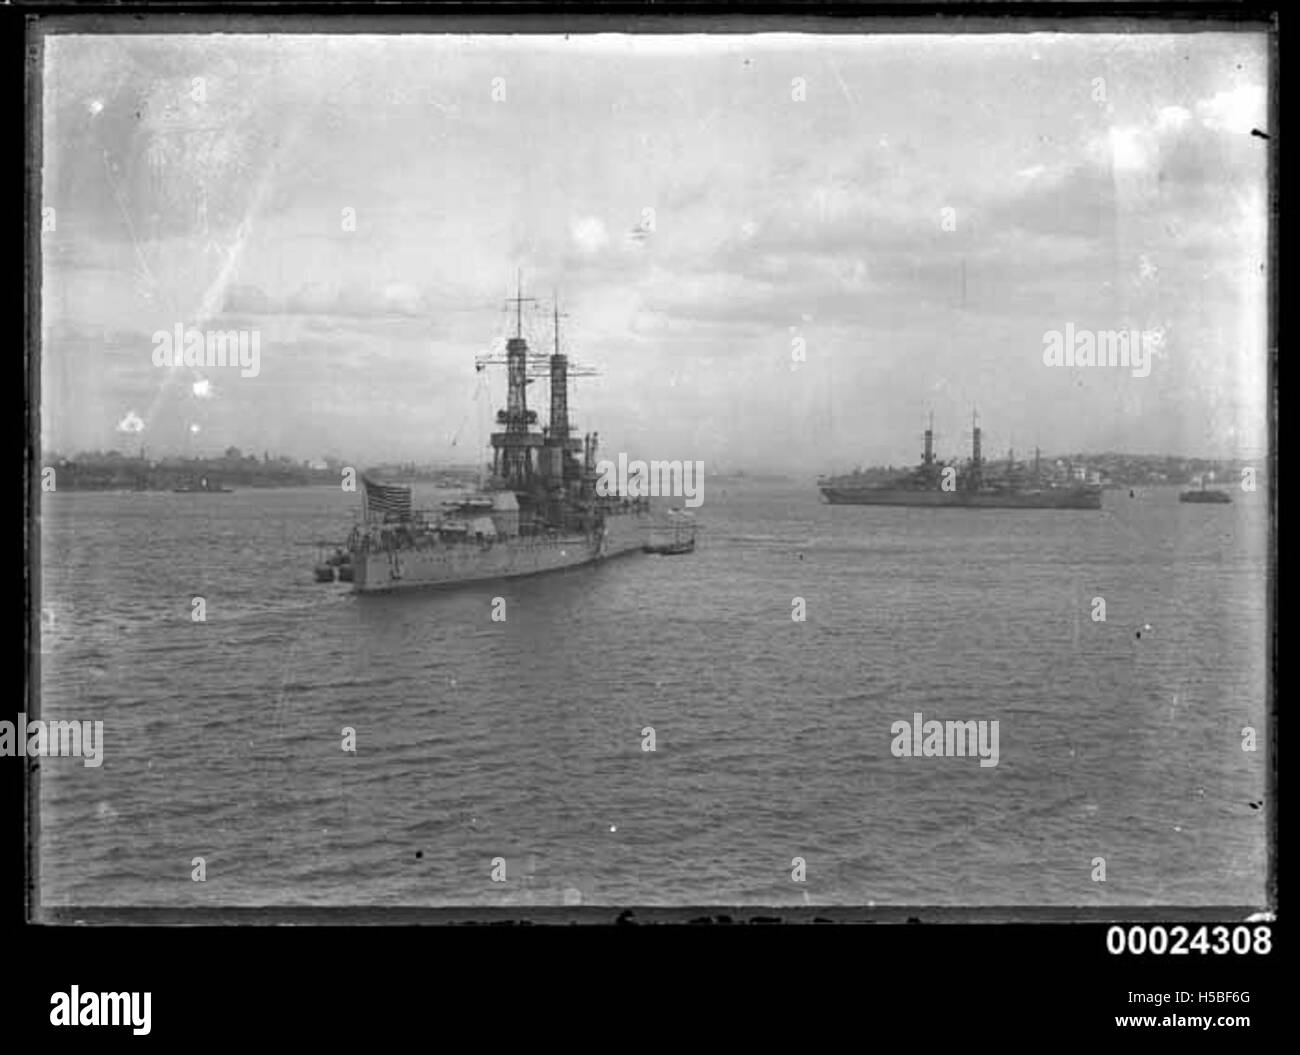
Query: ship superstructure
{"x":539,"y":510}
{"x":976,"y":484}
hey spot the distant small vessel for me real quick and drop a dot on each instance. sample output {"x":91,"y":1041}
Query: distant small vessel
{"x":203,"y":487}
{"x":682,"y":541}
{"x":1204,"y":495}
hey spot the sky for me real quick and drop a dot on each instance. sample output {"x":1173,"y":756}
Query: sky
{"x":777,"y":251}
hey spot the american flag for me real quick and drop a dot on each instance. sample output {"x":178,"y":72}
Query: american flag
{"x":386,"y":501}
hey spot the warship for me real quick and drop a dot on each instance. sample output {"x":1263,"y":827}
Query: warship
{"x":538,"y":512}
{"x":971,"y":486}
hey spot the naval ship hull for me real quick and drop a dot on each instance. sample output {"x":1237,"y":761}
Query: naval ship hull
{"x":1081,"y":498}
{"x":451,"y":565}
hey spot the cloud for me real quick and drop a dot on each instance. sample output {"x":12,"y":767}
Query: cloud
{"x":1238,"y":110}
{"x":1172,"y":118}
{"x":1077,"y":201}
{"x":131,"y":423}
{"x":247,"y":300}
{"x":589,"y":234}
{"x":325,"y":299}
{"x":1129,"y":150}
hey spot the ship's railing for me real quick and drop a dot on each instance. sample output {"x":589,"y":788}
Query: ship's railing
{"x":417,"y":532}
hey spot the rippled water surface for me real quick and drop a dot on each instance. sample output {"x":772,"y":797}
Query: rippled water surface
{"x":523,"y":739}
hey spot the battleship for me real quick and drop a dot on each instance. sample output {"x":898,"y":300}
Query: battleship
{"x":538,"y":512}
{"x":971,"y":486}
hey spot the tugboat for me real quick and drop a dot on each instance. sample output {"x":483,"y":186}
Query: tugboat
{"x":1205,"y":496}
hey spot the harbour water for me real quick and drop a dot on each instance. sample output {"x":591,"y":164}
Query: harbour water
{"x":522,"y":739}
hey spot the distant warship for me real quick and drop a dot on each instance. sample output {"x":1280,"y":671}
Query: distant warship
{"x":538,"y":512}
{"x":970,"y":486}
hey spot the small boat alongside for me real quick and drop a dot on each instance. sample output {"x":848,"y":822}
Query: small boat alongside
{"x":680,"y":540}
{"x":333,"y":566}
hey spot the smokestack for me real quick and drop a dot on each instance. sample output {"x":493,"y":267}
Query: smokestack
{"x":517,"y":379}
{"x":560,"y":399}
